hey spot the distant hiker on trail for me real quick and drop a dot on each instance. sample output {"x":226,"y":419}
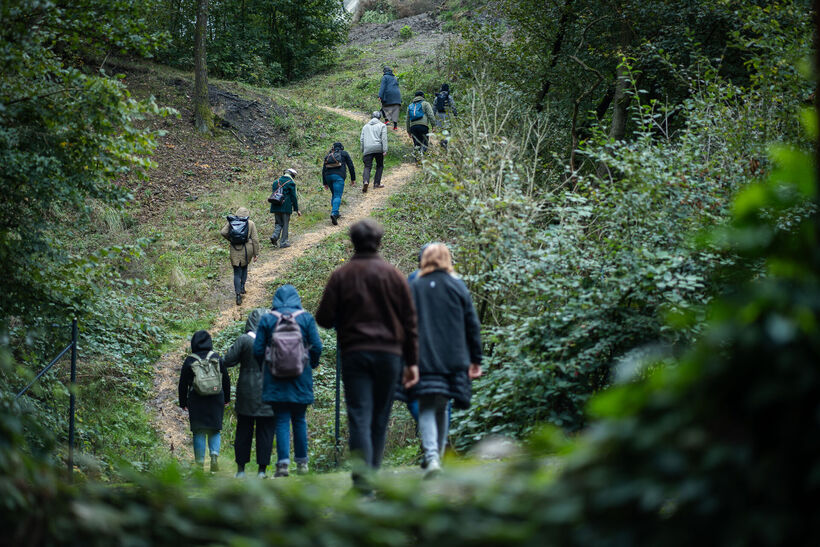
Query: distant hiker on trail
{"x":419,"y":117}
{"x":390,"y":97}
{"x":368,"y":302}
{"x":241,"y":232}
{"x":449,"y":348}
{"x":444,"y":106}
{"x":250,"y":410}
{"x":334,"y":171}
{"x":283,"y":202}
{"x":287,"y":389}
{"x":374,"y":147}
{"x":204,"y":391}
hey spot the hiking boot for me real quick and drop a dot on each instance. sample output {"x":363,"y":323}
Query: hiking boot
{"x":284,"y":245}
{"x":378,"y":186}
{"x":238,"y":299}
{"x":364,"y":188}
{"x":281,"y":470}
{"x":239,"y":475}
{"x":261,"y":475}
{"x":334,"y":219}
{"x":273,"y":240}
{"x":214,"y":463}
{"x":302,"y":468}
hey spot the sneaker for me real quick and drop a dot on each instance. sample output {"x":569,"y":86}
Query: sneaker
{"x":284,"y":245}
{"x":433,"y":468}
{"x":261,"y":475}
{"x":214,"y":463}
{"x":281,"y":470}
{"x":238,"y":299}
{"x":378,"y":186}
{"x":333,"y":219}
{"x":273,"y":240}
{"x":364,"y":188}
{"x":239,"y":475}
{"x":301,"y":468}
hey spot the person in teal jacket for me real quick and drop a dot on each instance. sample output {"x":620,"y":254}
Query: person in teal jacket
{"x":283,"y":211}
{"x":289,"y":397}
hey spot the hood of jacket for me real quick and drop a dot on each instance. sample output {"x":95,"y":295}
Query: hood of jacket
{"x":388,"y":70}
{"x":242,"y":212}
{"x":253,"y":319}
{"x":286,"y":297}
{"x":375,"y":121}
{"x":418,"y":99}
{"x":337,"y":146}
{"x":201,"y":342}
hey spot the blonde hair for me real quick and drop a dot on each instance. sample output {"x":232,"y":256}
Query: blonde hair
{"x":436,"y":257}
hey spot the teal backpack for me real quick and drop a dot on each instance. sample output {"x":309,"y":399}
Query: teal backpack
{"x":415,"y":111}
{"x":207,"y":376}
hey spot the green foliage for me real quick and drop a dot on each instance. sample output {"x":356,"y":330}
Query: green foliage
{"x":261,"y":42}
{"x":406,"y":33}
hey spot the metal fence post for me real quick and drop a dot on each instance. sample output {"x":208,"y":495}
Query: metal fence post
{"x":338,"y":400}
{"x":71,"y":399}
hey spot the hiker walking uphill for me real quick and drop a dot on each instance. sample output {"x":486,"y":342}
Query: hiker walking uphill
{"x":419,"y":117}
{"x":204,"y":391}
{"x":251,"y":412}
{"x":288,"y":373}
{"x":368,"y":302}
{"x":449,"y":349}
{"x":444,"y":107}
{"x":334,"y":171}
{"x":241,"y":232}
{"x":374,"y":147}
{"x":390,"y":97}
{"x":283,"y":202}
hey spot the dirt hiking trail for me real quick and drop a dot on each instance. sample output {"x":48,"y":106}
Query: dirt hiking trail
{"x":169,"y":419}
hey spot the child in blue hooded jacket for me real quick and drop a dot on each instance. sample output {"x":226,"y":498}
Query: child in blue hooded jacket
{"x":289,"y":397}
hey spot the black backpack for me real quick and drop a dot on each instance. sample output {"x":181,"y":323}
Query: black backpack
{"x":332,"y":161}
{"x":277,"y":197}
{"x":442,"y":101}
{"x":238,"y":233}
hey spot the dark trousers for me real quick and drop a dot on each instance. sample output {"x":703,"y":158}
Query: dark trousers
{"x":244,"y":438}
{"x":370,"y":379}
{"x":420,"y":138}
{"x":280,"y":229}
{"x":240,"y":275}
{"x":368,"y":163}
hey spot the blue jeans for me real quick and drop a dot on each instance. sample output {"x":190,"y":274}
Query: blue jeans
{"x":284,"y":414}
{"x":413,"y":408}
{"x":337,"y":187}
{"x":214,"y":438}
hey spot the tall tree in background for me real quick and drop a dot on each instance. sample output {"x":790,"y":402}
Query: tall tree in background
{"x":203,"y":116}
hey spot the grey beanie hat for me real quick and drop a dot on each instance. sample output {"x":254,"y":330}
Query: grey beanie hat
{"x":377,"y":114}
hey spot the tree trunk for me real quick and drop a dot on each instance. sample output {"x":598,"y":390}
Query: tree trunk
{"x":554,"y":52}
{"x":203,"y":117}
{"x":621,"y":99}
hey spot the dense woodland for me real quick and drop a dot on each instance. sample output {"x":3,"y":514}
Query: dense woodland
{"x":630,"y":194}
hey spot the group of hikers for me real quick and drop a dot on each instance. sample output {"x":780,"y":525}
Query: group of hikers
{"x":284,"y":201}
{"x":415,"y":339}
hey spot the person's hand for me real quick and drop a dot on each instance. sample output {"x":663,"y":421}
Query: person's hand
{"x":410,"y":376}
{"x":352,"y":182}
{"x":384,"y":153}
{"x":226,"y":404}
{"x":474,"y":371}
{"x":185,"y":408}
{"x":255,"y":258}
{"x":326,"y":188}
{"x":298,"y":213}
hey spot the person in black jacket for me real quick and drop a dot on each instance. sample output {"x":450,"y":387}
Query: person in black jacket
{"x":334,"y":171}
{"x":250,"y":410}
{"x":449,"y":348}
{"x":204,"y":411}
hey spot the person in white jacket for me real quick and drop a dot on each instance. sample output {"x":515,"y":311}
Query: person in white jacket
{"x":374,"y":146}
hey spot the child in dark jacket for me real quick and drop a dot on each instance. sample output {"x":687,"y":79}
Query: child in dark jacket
{"x":205,"y":411}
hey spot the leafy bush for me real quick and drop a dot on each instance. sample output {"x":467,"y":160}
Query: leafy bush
{"x":406,"y":33}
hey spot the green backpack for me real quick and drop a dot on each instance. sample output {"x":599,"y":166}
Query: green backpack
{"x":207,"y":376}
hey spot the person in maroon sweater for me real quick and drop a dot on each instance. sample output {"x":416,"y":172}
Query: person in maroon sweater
{"x":369,"y":304}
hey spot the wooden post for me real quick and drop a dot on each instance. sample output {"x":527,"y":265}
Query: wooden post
{"x":72,"y":398}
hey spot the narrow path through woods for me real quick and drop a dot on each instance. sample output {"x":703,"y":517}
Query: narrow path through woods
{"x":170,"y":420}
